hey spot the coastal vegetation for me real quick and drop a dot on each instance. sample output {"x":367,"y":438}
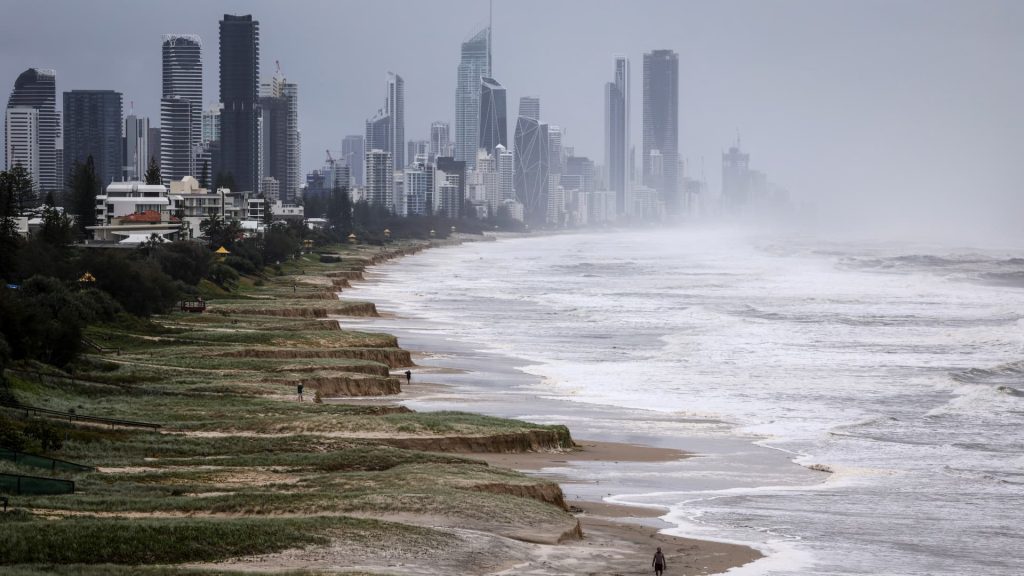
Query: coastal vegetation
{"x":238,"y":467}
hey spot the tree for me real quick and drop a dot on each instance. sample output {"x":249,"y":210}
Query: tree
{"x":153,"y":172}
{"x":339,"y":211}
{"x":268,"y":214}
{"x":23,"y":188}
{"x":204,"y":175}
{"x":314,"y":206}
{"x":10,"y":240}
{"x":225,"y":180}
{"x":84,"y":187}
{"x":220,"y":232}
{"x":57,"y":229}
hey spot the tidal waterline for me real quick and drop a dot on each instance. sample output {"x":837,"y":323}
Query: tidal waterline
{"x":891,"y":366}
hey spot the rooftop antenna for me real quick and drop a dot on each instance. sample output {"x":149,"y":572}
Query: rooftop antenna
{"x":738,"y":147}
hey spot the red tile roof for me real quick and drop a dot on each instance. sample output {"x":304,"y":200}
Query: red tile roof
{"x":151,"y":216}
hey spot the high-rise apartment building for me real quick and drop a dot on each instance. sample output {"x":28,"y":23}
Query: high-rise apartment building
{"x":353,"y":151}
{"x":280,"y":135}
{"x":440,"y":139}
{"x":531,"y":169}
{"x":736,"y":181}
{"x":378,"y":132}
{"x":475,"y":63}
{"x":504,"y":160}
{"x":37,"y":88}
{"x":181,"y":102}
{"x":617,"y":149}
{"x":21,"y":144}
{"x":529,"y":106}
{"x":493,"y":117}
{"x":380,"y":178}
{"x":395,"y":108}
{"x":211,"y":123}
{"x":661,"y":126}
{"x":135,"y":155}
{"x":92,"y":127}
{"x":449,"y":186}
{"x":239,"y":82}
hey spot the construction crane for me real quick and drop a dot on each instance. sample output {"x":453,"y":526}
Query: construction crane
{"x":330,"y":159}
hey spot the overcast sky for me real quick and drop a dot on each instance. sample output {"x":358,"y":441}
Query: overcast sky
{"x":903,"y":110}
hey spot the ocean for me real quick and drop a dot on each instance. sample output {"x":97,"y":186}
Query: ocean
{"x":853,"y":408}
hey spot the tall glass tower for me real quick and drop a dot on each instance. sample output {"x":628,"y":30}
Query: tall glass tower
{"x":396,"y":113}
{"x":616,"y":135}
{"x":92,"y":127}
{"x":493,"y":117}
{"x":661,"y":126}
{"x":181,"y":105}
{"x":474,"y":65}
{"x":239,"y":85}
{"x":531,"y":158}
{"x":36,"y":88}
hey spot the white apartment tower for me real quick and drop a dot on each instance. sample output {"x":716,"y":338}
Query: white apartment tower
{"x":181,"y":106}
{"x":21,"y":124}
{"x":380,"y":178}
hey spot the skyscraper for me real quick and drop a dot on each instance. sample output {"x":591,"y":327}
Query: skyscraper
{"x":239,"y":81}
{"x":380,"y":178}
{"x":531,"y":157}
{"x":354,"y":152}
{"x":474,"y":64}
{"x":396,"y":116}
{"x":504,"y":160}
{"x":176,"y":139}
{"x":36,"y":88}
{"x":493,"y":118}
{"x":661,"y":126}
{"x":440,"y":139}
{"x":21,"y":146}
{"x":211,"y":123}
{"x":529,"y":106}
{"x":280,"y":145}
{"x":616,"y":134}
{"x":736,"y":180}
{"x":92,"y":127}
{"x":181,"y":105}
{"x":135,"y":157}
{"x":378,"y":131}
{"x":449,"y":172}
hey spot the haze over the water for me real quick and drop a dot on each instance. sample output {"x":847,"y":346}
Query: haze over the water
{"x":894,"y":118}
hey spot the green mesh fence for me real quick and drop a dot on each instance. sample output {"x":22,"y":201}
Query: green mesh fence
{"x":14,"y":484}
{"x":36,"y":461}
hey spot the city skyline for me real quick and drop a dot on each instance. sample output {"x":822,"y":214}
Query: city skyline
{"x":754,"y":86}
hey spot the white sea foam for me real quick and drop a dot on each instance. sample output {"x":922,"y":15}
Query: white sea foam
{"x":892,"y":366}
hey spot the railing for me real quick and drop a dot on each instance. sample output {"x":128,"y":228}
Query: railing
{"x":73,"y":417}
{"x":37,"y":461}
{"x":101,"y":349}
{"x":17,"y":484}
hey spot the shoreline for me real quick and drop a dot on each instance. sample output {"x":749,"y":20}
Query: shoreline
{"x":606,"y":522}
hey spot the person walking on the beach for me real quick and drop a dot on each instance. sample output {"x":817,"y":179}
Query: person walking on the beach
{"x":299,"y":389}
{"x":659,"y":562}
{"x":408,"y":376}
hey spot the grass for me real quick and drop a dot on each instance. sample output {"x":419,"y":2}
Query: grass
{"x":277,"y":475}
{"x":89,"y":540}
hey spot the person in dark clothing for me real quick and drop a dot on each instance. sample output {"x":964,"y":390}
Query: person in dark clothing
{"x":299,"y":390}
{"x":659,"y":562}
{"x":408,"y":376}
